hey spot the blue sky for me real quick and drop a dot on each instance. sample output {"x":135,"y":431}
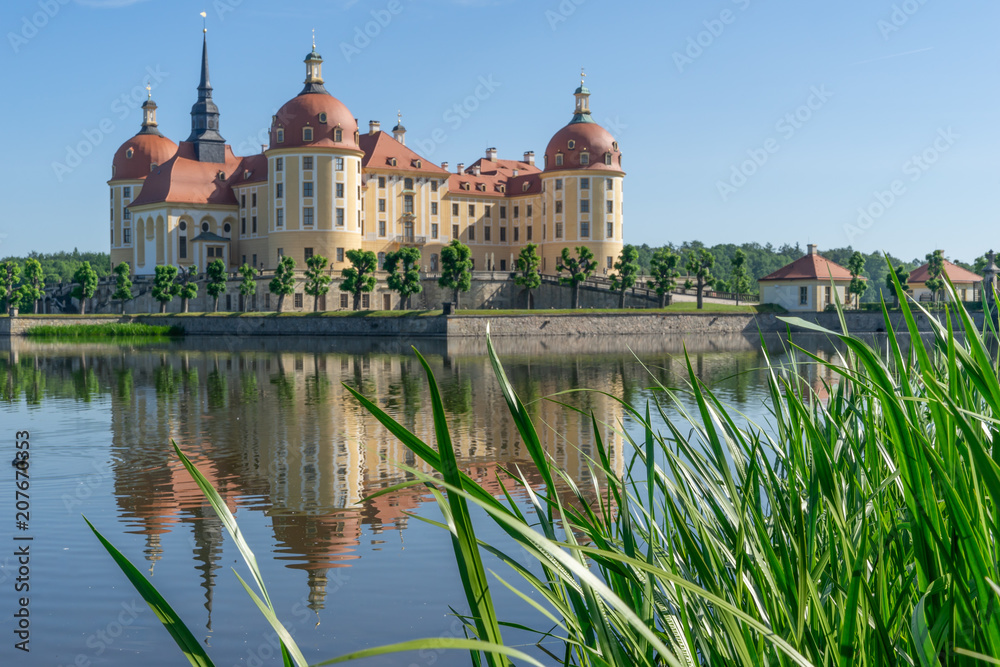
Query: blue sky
{"x":869,"y":122}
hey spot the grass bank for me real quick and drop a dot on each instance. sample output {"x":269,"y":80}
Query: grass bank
{"x":682,"y":307}
{"x":109,"y":330}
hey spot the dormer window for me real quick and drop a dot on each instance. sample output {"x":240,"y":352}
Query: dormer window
{"x":307,"y":134}
{"x":571,"y":144}
{"x":129,"y":152}
{"x":221,"y":175}
{"x":502,"y":188}
{"x":525,"y":186}
{"x":357,"y":138}
{"x":322,"y":117}
{"x":338,"y":135}
{"x":280,"y":135}
{"x":607,"y":159}
{"x":246,"y":174}
{"x":614,"y":145}
{"x":584,"y":158}
{"x":392,"y":162}
{"x":559,"y":159}
{"x":153,"y":165}
{"x":481,"y":187}
{"x":417,"y":164}
{"x":465,"y":186}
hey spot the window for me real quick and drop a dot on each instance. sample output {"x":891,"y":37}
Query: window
{"x":407,"y":183}
{"x":126,"y":214}
{"x":182,"y":247}
{"x":340,"y":217}
{"x":434,"y":230}
{"x":517,"y":212}
{"x":611,"y":206}
{"x":607,"y":159}
{"x":571,"y":144}
{"x":408,"y":204}
{"x":558,"y":184}
{"x":281,"y":137}
{"x":558,"y":207}
{"x":126,"y":235}
{"x":307,"y":189}
{"x":253,"y":224}
{"x":434,"y":208}
{"x":584,"y":183}
{"x":803,"y":296}
{"x":279,"y":218}
{"x":281,"y":253}
{"x":611,"y":230}
{"x":503,"y":234}
{"x":585,"y":230}
{"x":366,"y":299}
{"x":340,"y":254}
{"x":279,"y":190}
{"x":307,"y":134}
{"x":517,"y":234}
{"x":243,"y":226}
{"x":472,"y":233}
{"x":338,"y":163}
{"x":486,"y":234}
{"x":503,"y":264}
{"x":279,"y":163}
{"x":244,"y":259}
{"x":254,"y":260}
{"x":182,"y":226}
{"x":381,"y":260}
{"x":204,"y":226}
{"x":454,"y":231}
{"x":340,"y":190}
{"x":343,"y":301}
{"x":243,"y":200}
{"x":381,"y":182}
{"x":609,"y":185}
{"x":434,"y":186}
{"x":614,"y":145}
{"x":529,"y":210}
{"x":298,"y":299}
{"x":338,"y":135}
{"x":454,"y":209}
{"x":322,"y":116}
{"x":472,"y":210}
{"x":829,"y":297}
{"x":584,"y":206}
{"x":308,"y":253}
{"x":487,"y":210}
{"x":127,"y":192}
{"x":584,"y":158}
{"x":527,"y":232}
{"x":307,"y":216}
{"x":381,"y":227}
{"x":253,"y":199}
{"x":559,"y":159}
{"x":307,"y":163}
{"x":381,"y":205}
{"x":503,"y":212}
{"x":558,"y":230}
{"x":609,"y":262}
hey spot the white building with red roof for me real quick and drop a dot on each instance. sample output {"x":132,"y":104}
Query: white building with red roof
{"x":809,"y":284}
{"x":967,"y":284}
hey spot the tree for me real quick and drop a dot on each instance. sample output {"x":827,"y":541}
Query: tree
{"x":86,"y":285}
{"x":699,"y":264}
{"x":901,"y":276}
{"x":248,"y":286}
{"x":935,"y":273}
{"x":579,"y":268}
{"x":123,"y":284}
{"x":663,"y":269}
{"x":858,"y":286}
{"x":216,"y":287}
{"x":626,"y":271}
{"x":740,"y":280}
{"x":32,"y":284}
{"x":317,"y":279}
{"x":528,"y":276}
{"x":283,"y":282}
{"x":403,"y":267}
{"x":188,"y":289}
{"x":10,"y":271}
{"x":456,"y":268}
{"x":359,"y":277}
{"x":164,"y":287}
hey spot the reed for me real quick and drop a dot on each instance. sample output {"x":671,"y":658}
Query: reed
{"x":105,"y":330}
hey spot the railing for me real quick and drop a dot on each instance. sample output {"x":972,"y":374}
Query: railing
{"x":406,"y":239}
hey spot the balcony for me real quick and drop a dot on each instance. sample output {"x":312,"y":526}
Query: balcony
{"x":409,"y":240}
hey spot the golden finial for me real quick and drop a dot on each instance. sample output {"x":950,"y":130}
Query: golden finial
{"x":149,"y":91}
{"x":583,"y":75}
{"x":399,"y":117}
{"x":204,"y":21}
{"x":314,"y":39}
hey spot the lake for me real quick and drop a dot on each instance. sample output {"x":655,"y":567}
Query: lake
{"x":270,"y":423}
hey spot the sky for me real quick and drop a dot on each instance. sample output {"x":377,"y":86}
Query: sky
{"x":872,"y":123}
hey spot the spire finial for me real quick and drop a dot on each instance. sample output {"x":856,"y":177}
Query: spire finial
{"x":204,"y":22}
{"x":149,"y":91}
{"x":314,"y":39}
{"x":583,"y":75}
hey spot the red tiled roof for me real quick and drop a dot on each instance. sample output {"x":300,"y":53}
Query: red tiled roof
{"x":956,"y":273}
{"x":184,"y":180}
{"x":380,"y":148}
{"x":304,"y":111}
{"x":496,"y":179}
{"x":252,"y":169}
{"x":147,"y":149}
{"x":811,"y":267}
{"x":587,"y":137}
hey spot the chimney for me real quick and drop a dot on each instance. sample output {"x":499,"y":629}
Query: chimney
{"x":374,"y":126}
{"x":491,"y":154}
{"x":811,"y":249}
{"x":475,"y":169}
{"x":460,"y":169}
{"x":263,"y":147}
{"x":529,"y":157}
{"x":444,"y":165}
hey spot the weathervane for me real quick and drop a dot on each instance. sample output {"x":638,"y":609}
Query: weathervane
{"x":149,"y":91}
{"x":314,"y":39}
{"x":204,"y":21}
{"x":583,"y":75}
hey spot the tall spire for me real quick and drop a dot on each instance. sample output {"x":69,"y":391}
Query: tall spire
{"x":209,"y":146}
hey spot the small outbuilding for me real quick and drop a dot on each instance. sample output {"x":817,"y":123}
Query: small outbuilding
{"x":967,"y":284}
{"x":807,"y":284}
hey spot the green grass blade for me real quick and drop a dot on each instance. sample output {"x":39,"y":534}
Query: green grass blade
{"x":435,"y":644}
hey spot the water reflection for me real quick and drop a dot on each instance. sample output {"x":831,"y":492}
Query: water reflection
{"x":271,"y":425}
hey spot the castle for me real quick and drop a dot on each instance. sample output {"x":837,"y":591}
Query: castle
{"x":322,"y":188}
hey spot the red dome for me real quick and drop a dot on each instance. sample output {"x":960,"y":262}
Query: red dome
{"x":324,"y":114}
{"x":134,"y":159}
{"x":577,"y":138}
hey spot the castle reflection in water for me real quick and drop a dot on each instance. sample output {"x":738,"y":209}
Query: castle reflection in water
{"x":271,"y":425}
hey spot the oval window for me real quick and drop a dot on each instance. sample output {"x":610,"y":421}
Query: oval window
{"x":204,"y":226}
{"x":228,"y":228}
{"x":322,"y":117}
{"x":129,"y":153}
{"x":183,"y":225}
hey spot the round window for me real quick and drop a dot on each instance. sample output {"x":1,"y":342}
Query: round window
{"x":227,"y":228}
{"x":204,"y":226}
{"x":183,"y":225}
{"x":322,"y":117}
{"x":129,"y":153}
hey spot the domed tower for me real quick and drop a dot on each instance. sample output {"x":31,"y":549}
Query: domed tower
{"x":314,"y":176}
{"x":582,"y":190}
{"x":133,"y":162}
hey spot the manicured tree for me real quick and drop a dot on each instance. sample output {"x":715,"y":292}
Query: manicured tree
{"x":123,"y":285}
{"x":317,"y":279}
{"x":86,"y":285}
{"x":403,"y":267}
{"x":188,"y":288}
{"x":858,"y":286}
{"x":901,"y":276}
{"x":164,"y":287}
{"x":528,"y":276}
{"x":32,"y":284}
{"x":248,"y":286}
{"x":626,"y":271}
{"x":699,"y":264}
{"x":359,"y":277}
{"x":935,"y":273}
{"x":579,"y":269}
{"x":663,"y":269}
{"x":740,"y":280}
{"x":216,"y":287}
{"x":10,"y":271}
{"x":456,"y":268}
{"x":283,"y":282}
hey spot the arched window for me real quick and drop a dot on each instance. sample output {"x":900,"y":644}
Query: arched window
{"x":307,"y":134}
{"x":338,"y":134}
{"x":381,"y":260}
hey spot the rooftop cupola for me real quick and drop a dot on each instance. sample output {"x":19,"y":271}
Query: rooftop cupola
{"x":399,"y":132}
{"x":209,"y":146}
{"x":314,"y":71}
{"x":149,"y":115}
{"x":582,"y":112}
